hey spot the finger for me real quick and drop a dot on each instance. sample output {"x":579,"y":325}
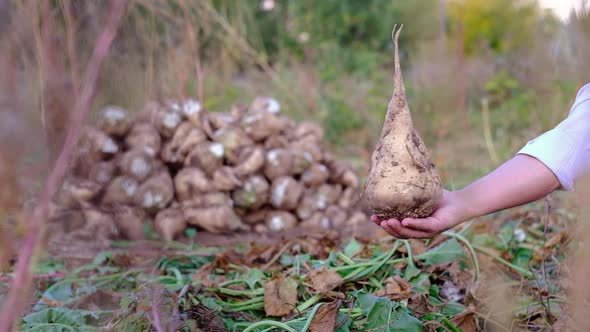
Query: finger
{"x":426,"y":225}
{"x":389,"y":230}
{"x":405,"y":232}
{"x":376,"y":220}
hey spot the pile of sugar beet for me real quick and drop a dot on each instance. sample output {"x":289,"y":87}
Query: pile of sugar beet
{"x":176,"y":165}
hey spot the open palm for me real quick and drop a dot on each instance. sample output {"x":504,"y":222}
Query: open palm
{"x":450,"y":212}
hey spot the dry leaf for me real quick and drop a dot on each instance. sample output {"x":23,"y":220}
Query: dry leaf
{"x":261,"y":254}
{"x":461,"y":278}
{"x":419,"y":304}
{"x":280,"y":296}
{"x":325,"y":318}
{"x":396,"y":289}
{"x":418,"y":247}
{"x":555,"y":240}
{"x":324,"y":280}
{"x":208,"y":319}
{"x":467,"y":322}
{"x":472,"y":294}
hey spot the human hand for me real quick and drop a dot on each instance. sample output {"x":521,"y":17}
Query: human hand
{"x":451,"y":211}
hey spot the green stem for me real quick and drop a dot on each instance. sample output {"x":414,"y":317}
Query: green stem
{"x":269,"y":323}
{"x":355,"y":275}
{"x":409,"y":249}
{"x":105,"y":277}
{"x":345,"y":258}
{"x":519,"y":269}
{"x":233,"y":292}
{"x":252,"y":306}
{"x":239,"y":304}
{"x":311,"y":315}
{"x":450,"y":325}
{"x":352,"y":311}
{"x":233,"y":282}
{"x":467,"y":244}
{"x":447,"y":322}
{"x":365,"y":264}
{"x":176,"y":273}
{"x":163,"y":278}
{"x":311,"y":301}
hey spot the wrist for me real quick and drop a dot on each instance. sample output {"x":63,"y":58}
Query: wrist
{"x":466,"y":206}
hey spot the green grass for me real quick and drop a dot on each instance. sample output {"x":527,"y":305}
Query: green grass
{"x":192,"y":286}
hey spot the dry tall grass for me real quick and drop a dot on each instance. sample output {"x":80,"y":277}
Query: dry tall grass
{"x":579,"y":263}
{"x":57,"y":100}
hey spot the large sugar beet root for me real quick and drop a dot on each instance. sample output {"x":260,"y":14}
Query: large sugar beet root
{"x":280,"y":220}
{"x":251,"y":159}
{"x":191,"y":182}
{"x":191,"y":109}
{"x":136,"y":163}
{"x":168,"y":119}
{"x":93,"y":147}
{"x":253,"y":194}
{"x":403,"y":181}
{"x":315,"y":175}
{"x":102,"y":172}
{"x":285,"y":193}
{"x":144,"y":136}
{"x":215,"y":219}
{"x":155,"y":193}
{"x":224,"y":179}
{"x":120,"y":191}
{"x":77,"y":190}
{"x":278,"y":162}
{"x":184,"y":139}
{"x":214,"y":213}
{"x":233,"y":140}
{"x":129,"y":221}
{"x":114,"y":120}
{"x":170,"y":223}
{"x":100,"y":227}
{"x":207,"y":156}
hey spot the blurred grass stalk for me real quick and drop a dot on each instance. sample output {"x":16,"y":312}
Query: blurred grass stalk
{"x":15,"y":301}
{"x":487,"y":131}
{"x":579,"y":262}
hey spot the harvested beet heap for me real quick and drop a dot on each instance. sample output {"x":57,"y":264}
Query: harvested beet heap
{"x":403,"y":181}
{"x":176,"y":165}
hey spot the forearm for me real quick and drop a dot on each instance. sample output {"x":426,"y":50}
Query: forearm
{"x":520,"y":180}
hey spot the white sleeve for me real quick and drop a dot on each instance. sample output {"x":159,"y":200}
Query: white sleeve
{"x":565,"y":149}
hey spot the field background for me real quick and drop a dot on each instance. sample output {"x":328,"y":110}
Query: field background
{"x":332,"y":61}
{"x":483,"y":77}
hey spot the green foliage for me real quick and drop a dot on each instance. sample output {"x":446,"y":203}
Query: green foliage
{"x":340,"y":118}
{"x":384,"y":315}
{"x":448,"y":251}
{"x":500,"y":25}
{"x":344,"y":35}
{"x":233,"y":294}
{"x":49,"y":265}
{"x":501,"y":86}
{"x":59,"y":320}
